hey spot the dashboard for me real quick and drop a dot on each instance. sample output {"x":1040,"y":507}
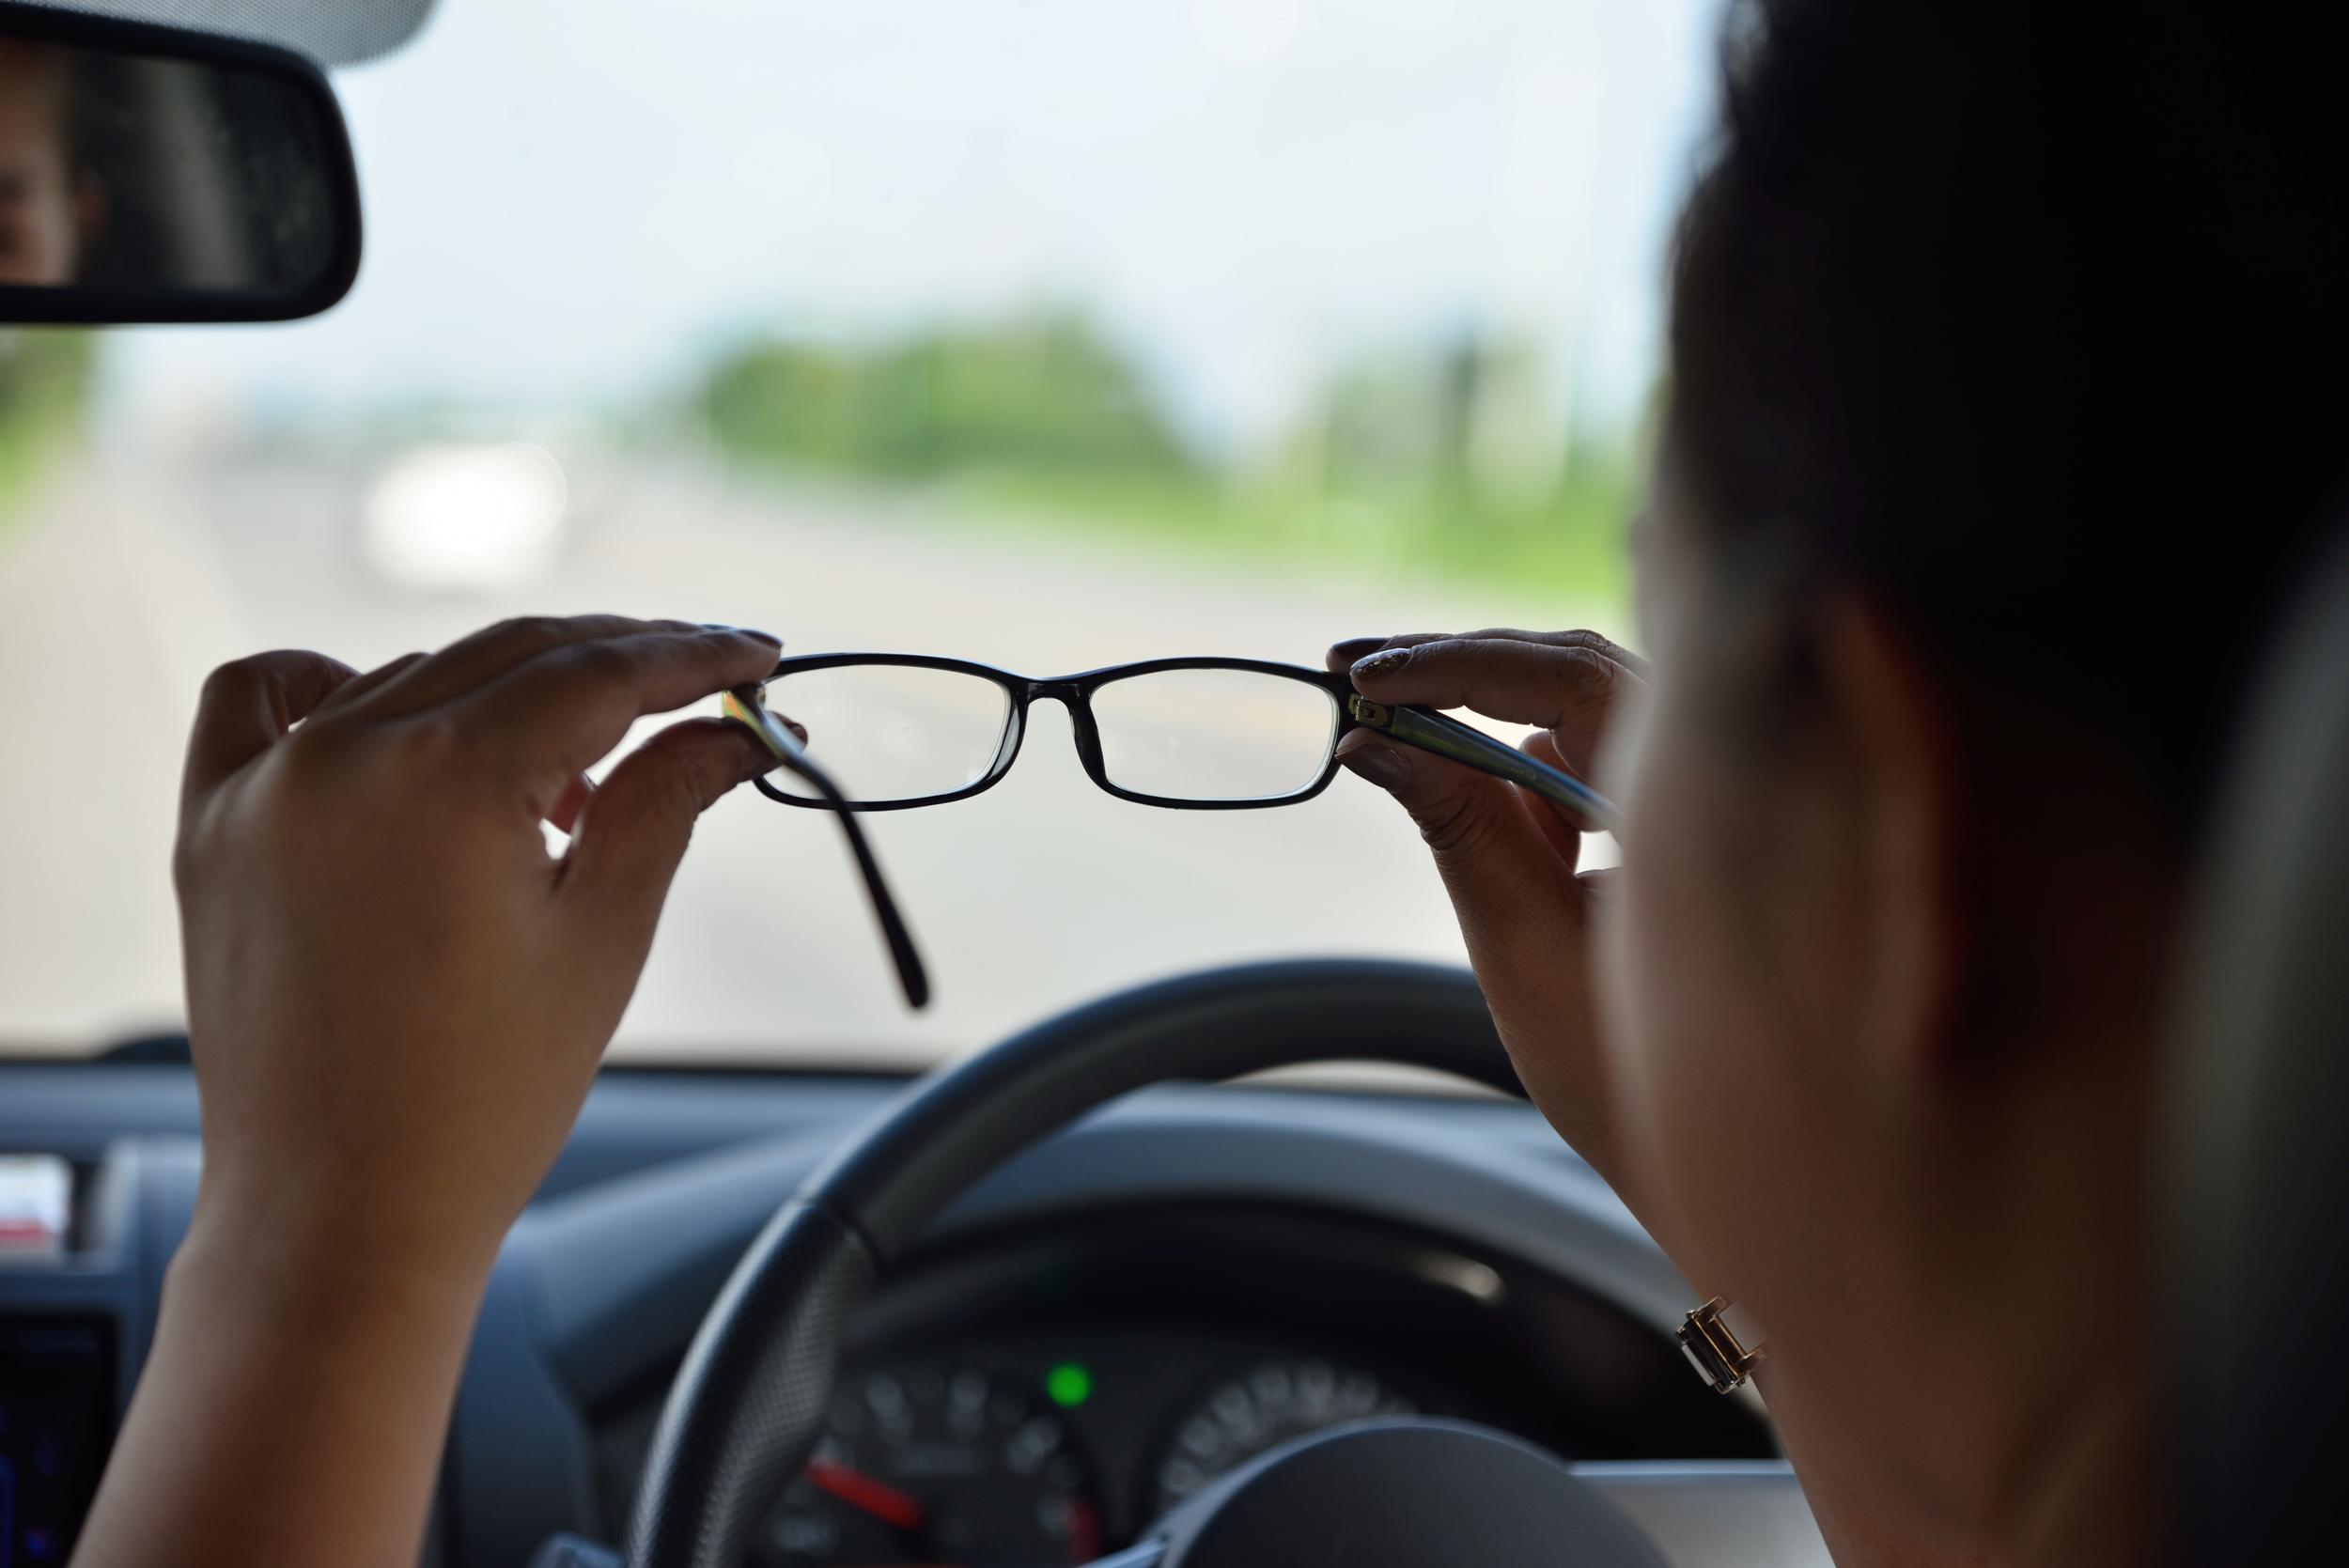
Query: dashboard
{"x":1175,"y":1283}
{"x":1039,"y":1397}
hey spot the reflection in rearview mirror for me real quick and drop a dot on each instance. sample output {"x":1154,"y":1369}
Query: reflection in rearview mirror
{"x":151,"y":174}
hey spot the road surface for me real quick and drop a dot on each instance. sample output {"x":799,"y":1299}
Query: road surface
{"x":119,"y":591}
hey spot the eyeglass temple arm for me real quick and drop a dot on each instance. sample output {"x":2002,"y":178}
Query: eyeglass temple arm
{"x":741,"y":706}
{"x":910,"y":974}
{"x":1431,"y":731}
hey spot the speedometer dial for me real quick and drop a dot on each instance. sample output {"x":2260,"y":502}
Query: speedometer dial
{"x":924,"y":1465}
{"x":1262,"y":1409}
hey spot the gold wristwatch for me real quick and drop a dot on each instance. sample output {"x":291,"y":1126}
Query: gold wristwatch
{"x":1714,"y":1349}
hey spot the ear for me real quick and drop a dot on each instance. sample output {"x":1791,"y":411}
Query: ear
{"x":1893,"y":734}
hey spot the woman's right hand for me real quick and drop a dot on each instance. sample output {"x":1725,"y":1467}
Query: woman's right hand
{"x":1509,"y":858}
{"x":396,"y":1002}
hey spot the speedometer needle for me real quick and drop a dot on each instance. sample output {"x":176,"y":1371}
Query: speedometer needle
{"x":858,"y":1490}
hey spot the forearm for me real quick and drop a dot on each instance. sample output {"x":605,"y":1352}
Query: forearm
{"x":1860,"y":1530}
{"x":293,"y":1412}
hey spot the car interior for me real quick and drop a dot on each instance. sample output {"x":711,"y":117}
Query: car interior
{"x":1098,"y":1282}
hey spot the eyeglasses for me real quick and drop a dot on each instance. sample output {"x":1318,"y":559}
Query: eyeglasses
{"x":1191,"y":734}
{"x":904,"y":730}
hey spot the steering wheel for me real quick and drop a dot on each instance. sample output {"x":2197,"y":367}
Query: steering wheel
{"x":750,"y":1400}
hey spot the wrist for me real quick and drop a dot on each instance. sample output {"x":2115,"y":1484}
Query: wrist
{"x":293,"y":1406}
{"x":307,"y":1215}
{"x":265,"y":1270}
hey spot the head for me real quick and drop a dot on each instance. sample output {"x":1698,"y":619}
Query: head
{"x":2005,"y":402}
{"x":48,"y":202}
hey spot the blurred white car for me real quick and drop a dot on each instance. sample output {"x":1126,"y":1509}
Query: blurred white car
{"x":465,"y":519}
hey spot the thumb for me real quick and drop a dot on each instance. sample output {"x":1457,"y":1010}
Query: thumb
{"x":1510,"y":881}
{"x":1507,"y":862}
{"x":632,"y":832}
{"x":1476,"y":825}
{"x":247,"y":706}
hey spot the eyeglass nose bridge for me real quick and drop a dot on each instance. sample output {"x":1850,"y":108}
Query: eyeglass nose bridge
{"x":1073,"y":696}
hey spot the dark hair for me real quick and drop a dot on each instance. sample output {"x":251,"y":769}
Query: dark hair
{"x":2034,"y":325}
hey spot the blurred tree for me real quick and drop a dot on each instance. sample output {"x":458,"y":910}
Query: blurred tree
{"x":44,"y":388}
{"x":1459,"y":455}
{"x":1041,"y":394}
{"x":1453,"y":456}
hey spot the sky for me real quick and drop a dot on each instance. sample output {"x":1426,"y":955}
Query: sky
{"x":575,"y":204}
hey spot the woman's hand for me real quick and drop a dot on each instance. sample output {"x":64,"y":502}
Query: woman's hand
{"x":396,"y":997}
{"x":1508,"y":858}
{"x":396,"y":1000}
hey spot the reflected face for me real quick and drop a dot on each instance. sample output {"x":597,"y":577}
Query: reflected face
{"x":41,"y":218}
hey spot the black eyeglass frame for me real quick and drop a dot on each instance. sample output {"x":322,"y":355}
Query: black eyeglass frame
{"x":1075,"y":693}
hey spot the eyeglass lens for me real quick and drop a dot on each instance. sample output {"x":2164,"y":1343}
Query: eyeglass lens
{"x":894,"y":732}
{"x":1214,"y":735}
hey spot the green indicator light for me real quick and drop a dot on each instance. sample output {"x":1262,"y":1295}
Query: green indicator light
{"x":1068,"y":1384}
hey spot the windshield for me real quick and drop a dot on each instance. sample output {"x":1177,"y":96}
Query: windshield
{"x":1043,"y":332}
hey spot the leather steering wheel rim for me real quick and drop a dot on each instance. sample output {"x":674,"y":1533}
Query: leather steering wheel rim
{"x":750,"y":1398}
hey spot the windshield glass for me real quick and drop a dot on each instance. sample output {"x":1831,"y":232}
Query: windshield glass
{"x":1041,"y":332}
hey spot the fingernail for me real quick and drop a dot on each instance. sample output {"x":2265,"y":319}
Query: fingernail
{"x":744,"y":631}
{"x":1353,"y":649}
{"x":1374,"y":759}
{"x":1384,"y":663}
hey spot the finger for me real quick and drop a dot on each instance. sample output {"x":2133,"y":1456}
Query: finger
{"x":1568,"y":687}
{"x":1344,"y":656}
{"x":564,"y":813}
{"x":247,"y":706}
{"x":1523,"y":914}
{"x":628,"y":841}
{"x":1563,"y":829}
{"x":1477,"y":826}
{"x":1368,"y":646}
{"x":351,"y":691}
{"x":559,"y":712}
{"x":1510,"y":884}
{"x":471,"y":662}
{"x":798,"y":730}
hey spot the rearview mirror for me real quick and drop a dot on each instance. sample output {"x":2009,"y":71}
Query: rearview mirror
{"x":153,"y":174}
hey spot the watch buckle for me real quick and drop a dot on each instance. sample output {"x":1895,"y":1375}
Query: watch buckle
{"x":1714,"y":1351}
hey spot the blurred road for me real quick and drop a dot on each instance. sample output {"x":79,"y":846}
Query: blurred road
{"x":119,"y":592}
